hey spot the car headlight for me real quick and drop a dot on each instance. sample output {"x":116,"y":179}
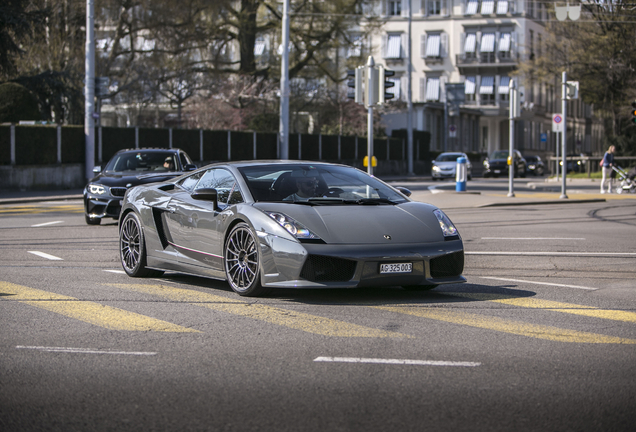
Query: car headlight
{"x":486,"y":164}
{"x":97,"y":189}
{"x":435,"y":168}
{"x":448,"y":229}
{"x":292,"y":226}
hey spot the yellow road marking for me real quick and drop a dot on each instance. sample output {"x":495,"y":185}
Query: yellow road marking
{"x":34,"y":209}
{"x":506,"y":326}
{"x":90,"y":312}
{"x":283,"y":317}
{"x":526,"y":302}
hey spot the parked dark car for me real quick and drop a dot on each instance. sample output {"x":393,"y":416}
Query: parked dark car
{"x":127,"y":168}
{"x":535,"y":165}
{"x":445,"y":164}
{"x":497,"y":164}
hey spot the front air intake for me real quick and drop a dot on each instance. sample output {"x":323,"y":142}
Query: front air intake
{"x":320,"y":268}
{"x":448,"y":265}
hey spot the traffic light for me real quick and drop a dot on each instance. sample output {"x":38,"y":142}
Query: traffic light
{"x":633,"y":120}
{"x":355,"y":82}
{"x":385,"y":84}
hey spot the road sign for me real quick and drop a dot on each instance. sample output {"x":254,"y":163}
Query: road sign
{"x":452,"y":131}
{"x":544,"y":137}
{"x":557,"y":123}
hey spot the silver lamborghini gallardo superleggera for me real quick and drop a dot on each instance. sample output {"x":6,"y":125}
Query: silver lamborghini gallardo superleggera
{"x":286,"y":224}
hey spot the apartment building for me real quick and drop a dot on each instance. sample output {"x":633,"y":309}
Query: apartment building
{"x":478,"y":43}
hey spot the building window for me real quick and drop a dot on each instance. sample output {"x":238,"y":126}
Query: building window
{"x":469,"y":88}
{"x":531,"y":8}
{"x":487,"y":43}
{"x":355,"y":47}
{"x":259,"y":46}
{"x":487,"y":7}
{"x":504,"y":45}
{"x":472,"y":7}
{"x":432,"y":89}
{"x":434,"y":7}
{"x":504,"y":88}
{"x":470,"y":45}
{"x":433,"y":45}
{"x":394,"y":46}
{"x":395,"y":8}
{"x":487,"y":90}
{"x":502,"y":7}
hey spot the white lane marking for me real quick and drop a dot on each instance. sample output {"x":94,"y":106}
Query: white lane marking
{"x":116,"y":271}
{"x":84,"y":350}
{"x":46,"y":223}
{"x":539,"y":283}
{"x":395,"y":361}
{"x":532,"y":238}
{"x":614,"y":254}
{"x":45,"y":255}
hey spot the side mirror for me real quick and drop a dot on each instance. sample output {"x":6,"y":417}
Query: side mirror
{"x":206,"y":194}
{"x":189,"y":167}
{"x":404,"y":190}
{"x":97,"y":169}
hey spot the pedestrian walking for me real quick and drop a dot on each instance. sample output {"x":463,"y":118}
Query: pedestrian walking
{"x":607,"y":163}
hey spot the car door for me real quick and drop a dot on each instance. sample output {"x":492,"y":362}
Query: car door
{"x":195,"y":226}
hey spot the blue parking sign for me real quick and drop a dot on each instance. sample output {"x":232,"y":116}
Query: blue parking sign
{"x":544,"y":137}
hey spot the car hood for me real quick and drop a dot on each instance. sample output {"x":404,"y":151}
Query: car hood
{"x":127,"y":179}
{"x":410,"y":222}
{"x":446,"y":165}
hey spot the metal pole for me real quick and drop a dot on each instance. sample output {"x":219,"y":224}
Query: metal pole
{"x":511,"y":146}
{"x":564,"y":137}
{"x":89,"y":91}
{"x":284,"y":87}
{"x":557,"y":156}
{"x":370,"y":100}
{"x":445,"y":141}
{"x":409,"y":101}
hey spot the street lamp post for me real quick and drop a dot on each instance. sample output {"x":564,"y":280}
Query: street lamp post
{"x":284,"y":87}
{"x":89,"y":91}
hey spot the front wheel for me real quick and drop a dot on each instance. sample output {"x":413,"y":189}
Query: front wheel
{"x":132,"y":248}
{"x":242,"y":262}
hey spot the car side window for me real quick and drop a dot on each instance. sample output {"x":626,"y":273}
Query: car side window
{"x":191,"y":181}
{"x":224,"y":183}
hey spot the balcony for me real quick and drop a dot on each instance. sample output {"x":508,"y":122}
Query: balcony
{"x":486,"y":59}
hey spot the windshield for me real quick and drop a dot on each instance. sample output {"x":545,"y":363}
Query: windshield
{"x":448,"y":157}
{"x":143,"y":161}
{"x":317,"y":185}
{"x":499,"y":154}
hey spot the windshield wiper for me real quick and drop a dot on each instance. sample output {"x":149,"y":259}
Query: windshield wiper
{"x":375,"y":201}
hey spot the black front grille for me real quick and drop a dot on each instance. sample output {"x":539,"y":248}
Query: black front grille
{"x":448,"y":265}
{"x":118,"y":191}
{"x":320,"y":268}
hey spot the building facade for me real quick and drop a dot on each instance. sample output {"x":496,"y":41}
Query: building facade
{"x":477,"y":43}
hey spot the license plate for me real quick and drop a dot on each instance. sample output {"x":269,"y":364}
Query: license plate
{"x":396,"y":268}
{"x":497,"y":171}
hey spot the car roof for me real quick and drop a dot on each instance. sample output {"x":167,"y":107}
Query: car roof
{"x":150,"y":149}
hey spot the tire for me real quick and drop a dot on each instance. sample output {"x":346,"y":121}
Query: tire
{"x":419,"y":287}
{"x":132,"y":248}
{"x":242,"y":262}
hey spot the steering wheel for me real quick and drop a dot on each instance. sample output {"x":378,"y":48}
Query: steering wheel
{"x":333,"y":192}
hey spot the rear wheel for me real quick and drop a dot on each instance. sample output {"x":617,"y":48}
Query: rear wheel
{"x":242,"y":266}
{"x":132,"y":248}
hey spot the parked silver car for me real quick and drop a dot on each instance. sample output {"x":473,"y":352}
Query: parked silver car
{"x":445,"y":164}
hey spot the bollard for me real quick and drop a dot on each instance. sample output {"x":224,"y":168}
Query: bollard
{"x":460,"y":175}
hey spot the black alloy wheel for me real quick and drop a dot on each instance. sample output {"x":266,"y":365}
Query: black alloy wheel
{"x":242,"y":262}
{"x":132,"y":248}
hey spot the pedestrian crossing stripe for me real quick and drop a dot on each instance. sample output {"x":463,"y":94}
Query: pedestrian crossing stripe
{"x":90,"y":312}
{"x":506,"y":326}
{"x":283,"y":317}
{"x":531,"y":303}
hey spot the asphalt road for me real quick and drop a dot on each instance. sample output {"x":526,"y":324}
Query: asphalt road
{"x":541,"y":337}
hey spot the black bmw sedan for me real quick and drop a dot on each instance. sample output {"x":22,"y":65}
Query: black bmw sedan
{"x":127,"y":168}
